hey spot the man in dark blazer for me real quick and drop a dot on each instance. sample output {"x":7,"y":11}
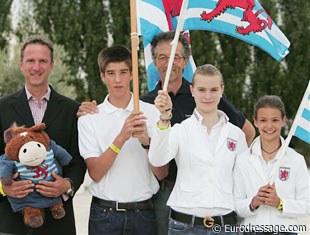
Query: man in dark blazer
{"x":38,"y":102}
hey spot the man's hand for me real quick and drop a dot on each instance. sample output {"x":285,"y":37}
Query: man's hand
{"x":18,"y":189}
{"x":53,"y":188}
{"x":87,"y":108}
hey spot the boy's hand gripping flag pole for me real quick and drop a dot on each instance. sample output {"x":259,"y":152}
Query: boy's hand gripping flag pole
{"x":134,"y":54}
{"x":300,"y":128}
{"x":175,"y":42}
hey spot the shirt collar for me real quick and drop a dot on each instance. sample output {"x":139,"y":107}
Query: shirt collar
{"x":45,"y":96}
{"x":255,"y":147}
{"x":110,"y":108}
{"x":223,"y":117}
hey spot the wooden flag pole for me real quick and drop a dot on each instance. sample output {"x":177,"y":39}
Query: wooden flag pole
{"x":134,"y":54}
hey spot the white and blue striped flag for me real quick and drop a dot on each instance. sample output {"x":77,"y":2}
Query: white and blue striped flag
{"x":245,"y":20}
{"x":302,"y":119}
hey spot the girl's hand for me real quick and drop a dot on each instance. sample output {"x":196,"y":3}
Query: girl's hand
{"x":163,"y":104}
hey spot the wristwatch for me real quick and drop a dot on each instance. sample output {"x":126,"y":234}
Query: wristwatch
{"x":145,"y":146}
{"x":70,"y":191}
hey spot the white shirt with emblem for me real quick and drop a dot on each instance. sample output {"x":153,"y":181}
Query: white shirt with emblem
{"x":292,"y":186}
{"x":130,"y":178}
{"x":204,"y":185}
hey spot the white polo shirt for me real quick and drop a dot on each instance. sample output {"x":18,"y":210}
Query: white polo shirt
{"x":204,"y":183}
{"x":130,"y":178}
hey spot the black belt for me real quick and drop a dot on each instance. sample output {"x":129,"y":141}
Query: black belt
{"x":123,"y":206}
{"x":8,"y":233}
{"x":207,"y":222}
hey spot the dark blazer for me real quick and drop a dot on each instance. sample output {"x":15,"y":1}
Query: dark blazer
{"x":61,"y":125}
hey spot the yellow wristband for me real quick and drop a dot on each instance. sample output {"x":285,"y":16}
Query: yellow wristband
{"x":1,"y":190}
{"x":280,"y":206}
{"x":162,"y":127}
{"x":114,"y":148}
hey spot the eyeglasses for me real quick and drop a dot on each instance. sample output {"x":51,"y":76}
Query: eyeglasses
{"x":163,"y":58}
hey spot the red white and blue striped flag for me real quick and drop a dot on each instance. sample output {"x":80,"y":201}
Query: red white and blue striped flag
{"x":243,"y":19}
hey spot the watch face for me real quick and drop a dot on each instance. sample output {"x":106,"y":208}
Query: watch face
{"x":70,"y":192}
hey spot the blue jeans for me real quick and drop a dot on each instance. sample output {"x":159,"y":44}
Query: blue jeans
{"x":105,"y":221}
{"x":162,"y":210}
{"x":179,"y":228}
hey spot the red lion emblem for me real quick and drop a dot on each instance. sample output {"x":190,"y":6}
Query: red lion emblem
{"x":284,"y":173}
{"x":231,"y":144}
{"x":255,"y":23}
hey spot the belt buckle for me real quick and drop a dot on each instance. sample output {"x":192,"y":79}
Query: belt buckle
{"x":118,"y":209}
{"x":208,"y":222}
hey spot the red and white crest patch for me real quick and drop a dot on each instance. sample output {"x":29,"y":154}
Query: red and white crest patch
{"x":284,"y":173}
{"x":231,"y":144}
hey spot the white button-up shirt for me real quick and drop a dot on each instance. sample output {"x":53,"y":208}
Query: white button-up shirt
{"x":130,"y":178}
{"x":204,"y":185}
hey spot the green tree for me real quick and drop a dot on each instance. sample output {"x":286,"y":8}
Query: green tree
{"x":120,"y":22}
{"x":11,"y":78}
{"x":296,"y":21}
{"x":231,"y":55}
{"x":5,"y":22}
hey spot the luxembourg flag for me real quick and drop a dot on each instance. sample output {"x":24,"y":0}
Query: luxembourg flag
{"x":153,"y":17}
{"x":302,"y":130}
{"x":243,"y":19}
